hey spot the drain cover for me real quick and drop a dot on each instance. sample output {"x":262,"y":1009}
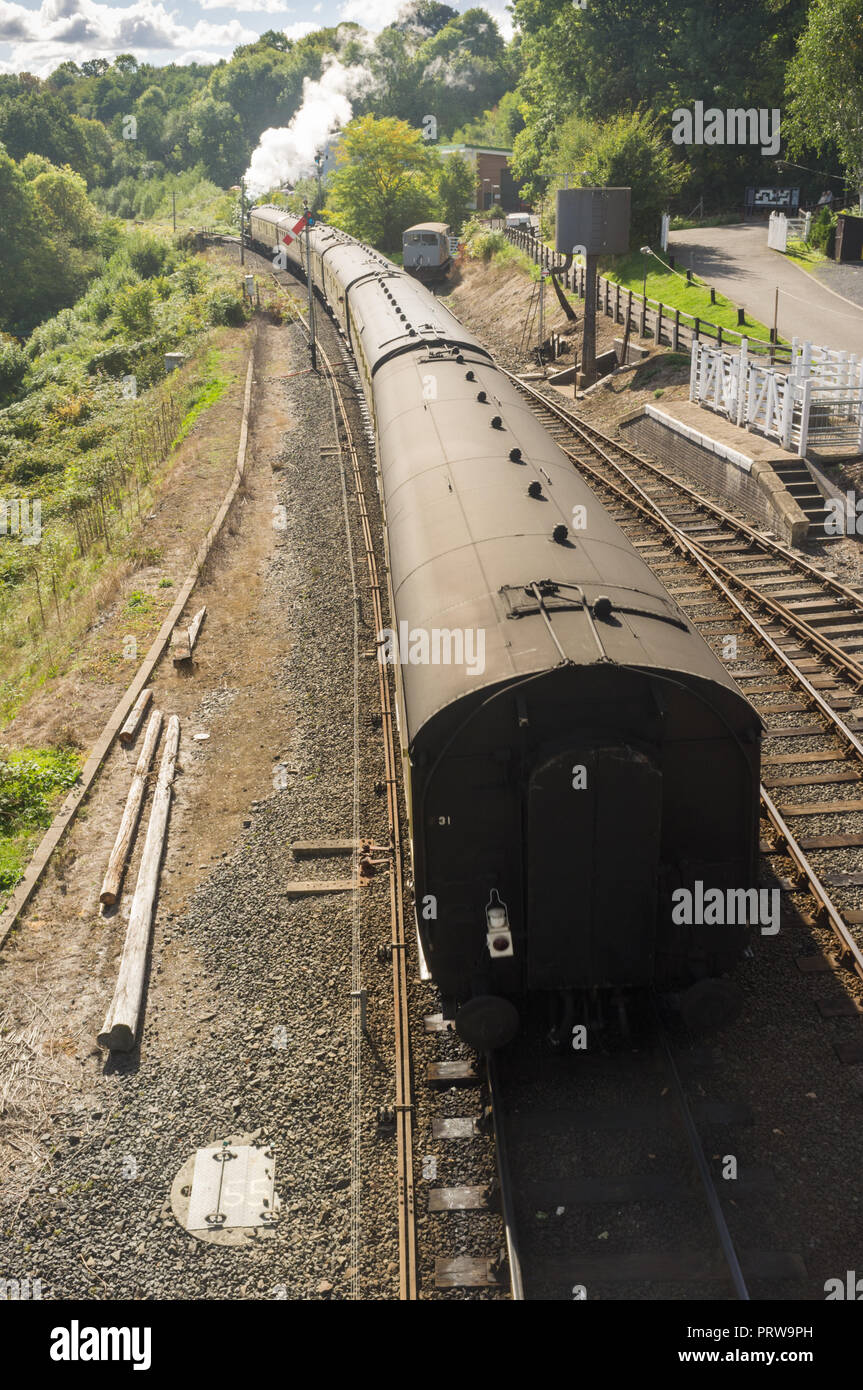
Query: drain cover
{"x":225,"y":1193}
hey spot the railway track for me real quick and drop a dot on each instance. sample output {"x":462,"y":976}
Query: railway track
{"x":400,"y":1116}
{"x":736,"y":586}
{"x":614,"y":1136}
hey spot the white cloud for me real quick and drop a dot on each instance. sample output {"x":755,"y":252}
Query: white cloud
{"x":372,"y":14}
{"x":246,"y":6}
{"x":300,"y":29}
{"x":80,"y":29}
{"x":502,"y":18}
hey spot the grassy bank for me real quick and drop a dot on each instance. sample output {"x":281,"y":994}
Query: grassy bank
{"x":32,"y":781}
{"x":670,"y":288}
{"x":88,"y":424}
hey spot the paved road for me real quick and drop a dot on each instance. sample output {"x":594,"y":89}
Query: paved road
{"x":737,"y":261}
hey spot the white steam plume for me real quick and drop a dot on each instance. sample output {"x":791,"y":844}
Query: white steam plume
{"x":286,"y":153}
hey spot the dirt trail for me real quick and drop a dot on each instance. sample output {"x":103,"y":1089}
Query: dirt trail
{"x":62,"y":959}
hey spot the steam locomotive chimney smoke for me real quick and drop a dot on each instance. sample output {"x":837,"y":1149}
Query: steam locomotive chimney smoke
{"x":286,"y":153}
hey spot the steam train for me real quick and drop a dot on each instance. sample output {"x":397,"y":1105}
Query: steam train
{"x":574,"y":752}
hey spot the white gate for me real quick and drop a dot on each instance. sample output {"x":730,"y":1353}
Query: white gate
{"x":819,"y":400}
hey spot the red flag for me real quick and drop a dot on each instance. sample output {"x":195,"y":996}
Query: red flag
{"x":295,"y":231}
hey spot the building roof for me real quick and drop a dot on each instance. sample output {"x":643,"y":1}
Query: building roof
{"x":442,"y":227}
{"x":473,"y":149}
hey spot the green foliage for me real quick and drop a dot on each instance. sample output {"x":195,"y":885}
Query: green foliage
{"x":615,"y":57}
{"x":383,"y":182}
{"x":629,"y":151}
{"x":37,"y":271}
{"x":29,"y":783}
{"x":147,"y":255}
{"x":226,"y":307}
{"x":825,"y":84}
{"x":497,"y":127}
{"x":134,"y":308}
{"x":455,"y":188}
{"x":822,"y":228}
{"x":13,"y":364}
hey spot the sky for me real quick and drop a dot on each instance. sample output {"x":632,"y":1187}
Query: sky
{"x":35,"y":37}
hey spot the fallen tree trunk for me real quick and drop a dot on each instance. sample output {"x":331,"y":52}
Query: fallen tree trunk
{"x":132,"y":724}
{"x":121,"y":1024}
{"x":126,"y":834}
{"x":195,"y":626}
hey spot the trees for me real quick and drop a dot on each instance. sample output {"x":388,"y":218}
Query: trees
{"x":497,"y":127}
{"x":622,"y":55}
{"x":383,"y":182}
{"x":825,"y":84}
{"x":216,"y":139}
{"x":29,"y":257}
{"x":628,"y":152}
{"x":455,"y":187}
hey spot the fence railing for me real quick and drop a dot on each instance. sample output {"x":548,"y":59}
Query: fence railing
{"x":646,"y":317}
{"x":819,"y":402}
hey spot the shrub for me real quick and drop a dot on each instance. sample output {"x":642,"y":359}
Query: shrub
{"x":13,"y":364}
{"x":821,"y":229}
{"x":225,"y":309}
{"x":134,"y":308}
{"x":147,"y":255}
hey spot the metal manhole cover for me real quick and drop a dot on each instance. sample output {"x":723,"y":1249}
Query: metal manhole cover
{"x":225,"y":1192}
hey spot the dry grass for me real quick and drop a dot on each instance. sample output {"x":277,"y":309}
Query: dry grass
{"x":28,"y":1094}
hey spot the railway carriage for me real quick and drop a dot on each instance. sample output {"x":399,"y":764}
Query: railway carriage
{"x":574,"y":751}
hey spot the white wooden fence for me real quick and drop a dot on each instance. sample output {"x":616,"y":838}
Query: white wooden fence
{"x":780,"y":228}
{"x":817,"y":401}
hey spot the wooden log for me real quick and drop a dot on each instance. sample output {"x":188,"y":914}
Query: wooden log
{"x":181,"y":647}
{"x":195,"y":626}
{"x":121,"y":1023}
{"x":133,"y":723}
{"x":126,"y":834}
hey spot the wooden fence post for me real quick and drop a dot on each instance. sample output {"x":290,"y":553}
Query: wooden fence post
{"x":675,"y":332}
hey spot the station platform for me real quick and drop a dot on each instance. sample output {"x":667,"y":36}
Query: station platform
{"x":770,"y":485}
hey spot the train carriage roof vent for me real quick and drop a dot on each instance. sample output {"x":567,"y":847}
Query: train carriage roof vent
{"x":534,"y":489}
{"x":515,"y":456}
{"x":481,"y":397}
{"x":497,"y":422}
{"x":469,"y":376}
{"x":603,"y":608}
{"x":559,"y":534}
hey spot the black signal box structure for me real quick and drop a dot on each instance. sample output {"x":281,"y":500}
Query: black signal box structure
{"x":594,"y":221}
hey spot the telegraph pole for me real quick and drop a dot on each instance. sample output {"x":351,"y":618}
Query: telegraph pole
{"x":312,"y":343}
{"x":588,"y":340}
{"x":242,"y":221}
{"x":318,"y":161}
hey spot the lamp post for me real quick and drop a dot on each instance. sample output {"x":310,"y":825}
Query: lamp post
{"x":319,"y":158}
{"x":312,"y":342}
{"x":645,"y":251}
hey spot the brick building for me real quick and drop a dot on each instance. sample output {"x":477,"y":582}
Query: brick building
{"x":494,"y":181}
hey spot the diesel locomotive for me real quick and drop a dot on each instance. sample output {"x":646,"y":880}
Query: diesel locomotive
{"x":574,"y":752}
